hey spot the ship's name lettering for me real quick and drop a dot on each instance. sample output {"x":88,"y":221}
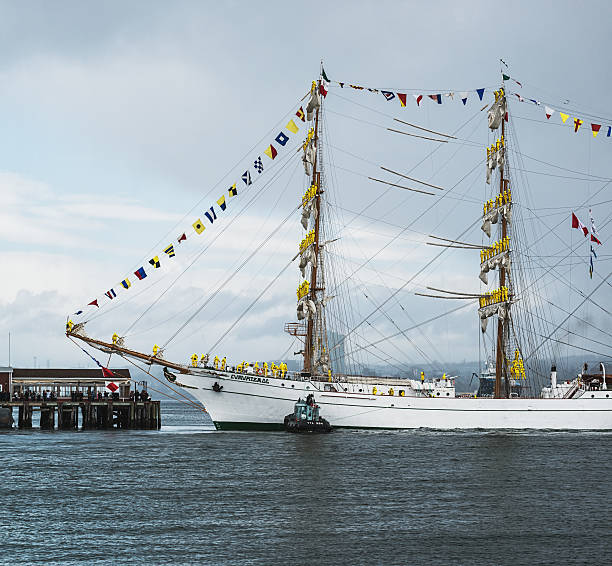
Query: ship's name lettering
{"x":253,"y":378}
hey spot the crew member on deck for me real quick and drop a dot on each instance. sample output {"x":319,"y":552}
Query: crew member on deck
{"x":239,"y":367}
{"x":194,"y":360}
{"x":265,"y":369}
{"x":422,"y":377}
{"x":256,"y":367}
{"x":223,"y":363}
{"x":216,"y":362}
{"x":69,"y":325}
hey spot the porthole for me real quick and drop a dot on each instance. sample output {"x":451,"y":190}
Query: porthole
{"x":292,"y":385}
{"x":308,"y":387}
{"x":438,"y":394}
{"x":607,"y":395}
{"x":345,"y":389}
{"x":361,"y":391}
{"x":282,"y":385}
{"x":447,"y":393}
{"x":592,"y":396}
{"x":392,"y":404}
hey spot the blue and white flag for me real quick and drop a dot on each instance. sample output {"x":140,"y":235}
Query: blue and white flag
{"x":210,"y":214}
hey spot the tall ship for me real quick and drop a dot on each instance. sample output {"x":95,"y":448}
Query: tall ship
{"x":519,"y":387}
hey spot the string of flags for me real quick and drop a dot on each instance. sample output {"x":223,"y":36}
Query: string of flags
{"x":210,"y":215}
{"x":594,"y":237}
{"x":575,"y":121}
{"x":402,"y":98}
{"x":438,"y":98}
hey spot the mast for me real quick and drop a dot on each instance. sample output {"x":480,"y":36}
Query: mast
{"x":500,"y":358}
{"x":316,"y":180}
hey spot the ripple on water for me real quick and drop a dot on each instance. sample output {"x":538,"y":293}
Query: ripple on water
{"x":187,"y":495}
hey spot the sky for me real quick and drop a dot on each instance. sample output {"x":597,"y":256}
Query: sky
{"x":123,"y":121}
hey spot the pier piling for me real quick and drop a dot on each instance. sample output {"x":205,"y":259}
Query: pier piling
{"x":103,"y":414}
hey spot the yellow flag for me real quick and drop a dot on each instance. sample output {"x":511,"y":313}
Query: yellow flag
{"x":198,"y":226}
{"x":292,"y":127}
{"x":564,"y":117}
{"x":577,"y":124}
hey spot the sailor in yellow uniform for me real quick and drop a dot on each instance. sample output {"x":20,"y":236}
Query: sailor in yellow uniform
{"x":274,"y":369}
{"x":69,"y":325}
{"x":223,"y":363}
{"x":329,"y":375}
{"x":283,"y":367}
{"x":216,"y":362}
{"x":265,"y":369}
{"x":239,"y":368}
{"x":194,"y":360}
{"x":245,"y":366}
{"x":155,"y":346}
{"x":256,"y":367}
{"x":115,"y":338}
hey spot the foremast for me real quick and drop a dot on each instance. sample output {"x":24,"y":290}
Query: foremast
{"x":310,"y":291}
{"x":316,"y":182}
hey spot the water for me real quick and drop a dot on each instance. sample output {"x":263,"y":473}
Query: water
{"x":190,"y":495}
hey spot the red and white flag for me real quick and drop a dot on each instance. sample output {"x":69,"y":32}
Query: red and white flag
{"x":577,"y":224}
{"x":549,"y":112}
{"x":111,"y":386}
{"x":418,"y":98}
{"x":323,"y":88}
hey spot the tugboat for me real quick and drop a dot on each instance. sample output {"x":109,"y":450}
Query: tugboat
{"x":306,"y":418}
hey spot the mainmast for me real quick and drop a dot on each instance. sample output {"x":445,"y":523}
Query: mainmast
{"x":500,"y":357}
{"x":497,"y":254}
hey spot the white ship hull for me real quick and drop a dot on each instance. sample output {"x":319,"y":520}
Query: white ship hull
{"x":248,"y":401}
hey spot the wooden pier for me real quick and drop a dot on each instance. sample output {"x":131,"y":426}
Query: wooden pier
{"x":69,"y":399}
{"x":95,"y":414}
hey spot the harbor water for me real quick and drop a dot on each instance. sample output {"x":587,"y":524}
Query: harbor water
{"x":190,"y":495}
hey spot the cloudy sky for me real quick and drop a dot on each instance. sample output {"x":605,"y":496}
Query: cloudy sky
{"x":123,"y":121}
